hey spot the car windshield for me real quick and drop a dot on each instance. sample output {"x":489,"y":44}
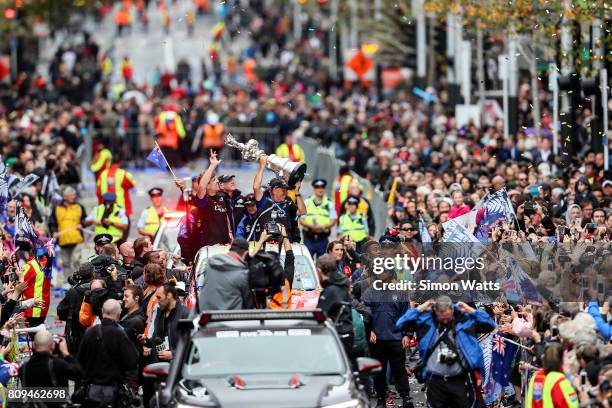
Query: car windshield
{"x":168,"y":240}
{"x":304,"y":277}
{"x":277,"y":351}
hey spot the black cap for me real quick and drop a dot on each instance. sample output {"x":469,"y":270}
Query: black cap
{"x":224,"y":178}
{"x":155,"y":191}
{"x":103,"y":239}
{"x":250,"y":200}
{"x":319,"y":183}
{"x":352,"y":200}
{"x":278,"y":182}
{"x":240,"y":243}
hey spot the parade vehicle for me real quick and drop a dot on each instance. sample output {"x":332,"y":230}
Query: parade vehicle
{"x":166,"y":237}
{"x":306,"y":287}
{"x":260,"y":358}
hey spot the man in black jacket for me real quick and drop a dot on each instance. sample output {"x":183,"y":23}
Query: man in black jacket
{"x":106,"y":355}
{"x":44,"y":369}
{"x":335,"y":299}
{"x":68,"y":309}
{"x":165,"y":332}
{"x":133,"y":321}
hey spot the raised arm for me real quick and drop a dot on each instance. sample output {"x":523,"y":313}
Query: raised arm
{"x":263,"y":160}
{"x":214,"y":162}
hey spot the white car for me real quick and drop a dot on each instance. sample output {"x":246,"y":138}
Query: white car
{"x":306,"y":287}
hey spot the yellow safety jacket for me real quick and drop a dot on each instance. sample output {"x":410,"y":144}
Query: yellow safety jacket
{"x":152,"y":220}
{"x":317,"y":214}
{"x":101,"y":162}
{"x":112,"y":179}
{"x":540,"y":391}
{"x":355,"y":228}
{"x":296,"y":154}
{"x":115,"y":232}
{"x":67,"y":220}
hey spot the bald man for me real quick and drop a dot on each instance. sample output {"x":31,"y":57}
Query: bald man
{"x":106,"y":353}
{"x":51,"y":365}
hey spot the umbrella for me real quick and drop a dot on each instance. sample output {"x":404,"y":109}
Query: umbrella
{"x":139,"y":96}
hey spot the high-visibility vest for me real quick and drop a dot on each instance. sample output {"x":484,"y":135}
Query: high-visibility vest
{"x":539,"y":393}
{"x":101,"y":162}
{"x":317,"y":214}
{"x":115,"y":232}
{"x":354,"y":228}
{"x":170,"y":129}
{"x":152,"y":220}
{"x":293,"y":152}
{"x":342,"y":187}
{"x":112,"y":180}
{"x":282,"y":299}
{"x":67,"y":220}
{"x":213,"y":136}
{"x":39,"y":287}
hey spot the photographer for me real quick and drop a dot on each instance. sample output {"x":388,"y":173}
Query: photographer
{"x":51,"y":364}
{"x":93,"y":301}
{"x":70,"y":306}
{"x":448,"y":349}
{"x":280,"y":297}
{"x":227,"y":280}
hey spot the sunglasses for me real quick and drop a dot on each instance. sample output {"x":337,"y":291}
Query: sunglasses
{"x":407,"y":229}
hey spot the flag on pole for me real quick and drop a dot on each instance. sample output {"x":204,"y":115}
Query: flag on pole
{"x":502,"y":358}
{"x":24,"y":183}
{"x":518,"y":286}
{"x":497,"y":206}
{"x":425,"y":237}
{"x":53,"y":190}
{"x":24,"y":228}
{"x":4,"y":194}
{"x":157,"y":158}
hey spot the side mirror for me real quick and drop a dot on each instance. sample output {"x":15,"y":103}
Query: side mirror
{"x":157,"y":371}
{"x":368,"y":366}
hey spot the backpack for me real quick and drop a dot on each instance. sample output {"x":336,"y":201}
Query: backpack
{"x":360,"y":343}
{"x":265,"y":272}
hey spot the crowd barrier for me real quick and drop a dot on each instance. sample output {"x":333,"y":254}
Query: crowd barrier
{"x":322,"y":163}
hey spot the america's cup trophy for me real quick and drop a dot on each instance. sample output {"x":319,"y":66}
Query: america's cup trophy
{"x":292,"y":172}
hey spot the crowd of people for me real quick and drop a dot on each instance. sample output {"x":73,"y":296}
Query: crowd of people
{"x":122,"y":302}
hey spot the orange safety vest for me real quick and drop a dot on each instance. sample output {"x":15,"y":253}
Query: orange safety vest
{"x":213,"y":136}
{"x":112,"y":180}
{"x":282,"y":299}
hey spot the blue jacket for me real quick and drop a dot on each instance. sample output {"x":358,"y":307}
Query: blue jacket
{"x":467,"y":327}
{"x":387,"y":307}
{"x":602,"y":326}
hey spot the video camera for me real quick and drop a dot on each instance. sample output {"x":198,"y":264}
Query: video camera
{"x":104,"y":265}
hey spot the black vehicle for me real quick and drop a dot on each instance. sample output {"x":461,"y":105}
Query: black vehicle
{"x":260,"y":358}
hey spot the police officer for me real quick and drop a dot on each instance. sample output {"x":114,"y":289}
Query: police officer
{"x":275,"y":206}
{"x":353,"y":224}
{"x":233,"y":197}
{"x":109,"y":217}
{"x":319,"y":219}
{"x":99,"y":241}
{"x":245,"y":226}
{"x":150,"y":218}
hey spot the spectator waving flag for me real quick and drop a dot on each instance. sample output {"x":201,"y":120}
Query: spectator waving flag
{"x":498,"y":373}
{"x":425,"y":237}
{"x":4,"y":194}
{"x":157,"y":158}
{"x":53,"y":189}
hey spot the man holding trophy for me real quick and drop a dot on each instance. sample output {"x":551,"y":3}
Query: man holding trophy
{"x":274,"y":207}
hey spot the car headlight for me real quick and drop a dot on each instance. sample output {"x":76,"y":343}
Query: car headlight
{"x":354,"y":403}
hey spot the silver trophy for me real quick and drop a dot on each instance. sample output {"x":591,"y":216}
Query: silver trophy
{"x":291,"y":172}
